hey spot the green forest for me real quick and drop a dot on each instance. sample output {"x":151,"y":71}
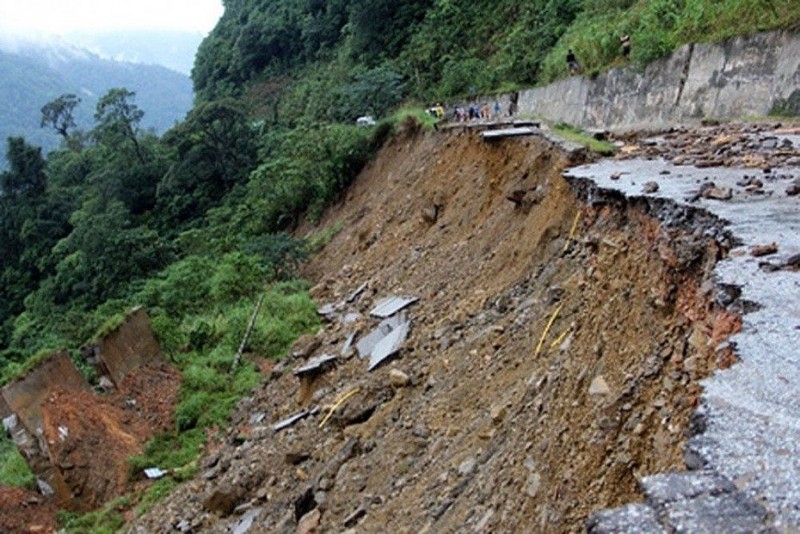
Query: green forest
{"x":197,"y":224}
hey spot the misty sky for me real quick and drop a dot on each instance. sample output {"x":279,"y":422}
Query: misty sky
{"x":21,"y":17}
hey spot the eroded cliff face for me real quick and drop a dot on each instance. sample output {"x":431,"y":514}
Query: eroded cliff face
{"x":554,"y":355}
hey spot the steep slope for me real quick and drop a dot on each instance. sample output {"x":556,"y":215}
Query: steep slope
{"x":554,"y":355}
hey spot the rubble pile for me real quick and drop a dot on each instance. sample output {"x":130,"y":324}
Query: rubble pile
{"x":553,"y":358}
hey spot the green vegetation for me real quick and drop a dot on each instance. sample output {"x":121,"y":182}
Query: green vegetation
{"x":197,"y":224}
{"x":657,"y":27}
{"x":576,"y":135}
{"x":106,"y":520}
{"x":14,"y":470}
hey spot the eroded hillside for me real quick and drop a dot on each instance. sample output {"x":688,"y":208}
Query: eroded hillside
{"x":554,"y":355}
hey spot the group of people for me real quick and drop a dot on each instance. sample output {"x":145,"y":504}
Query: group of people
{"x":474,"y":111}
{"x":572,"y":62}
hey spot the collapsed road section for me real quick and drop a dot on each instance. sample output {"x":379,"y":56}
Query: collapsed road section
{"x":556,"y":359}
{"x":745,"y":453}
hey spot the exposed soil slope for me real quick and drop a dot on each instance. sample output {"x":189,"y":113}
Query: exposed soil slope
{"x":545,"y":373}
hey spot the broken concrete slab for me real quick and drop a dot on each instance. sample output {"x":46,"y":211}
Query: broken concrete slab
{"x":391,"y":305}
{"x":129,"y":346}
{"x":328,"y":310}
{"x":315,"y":365}
{"x":389,"y":345}
{"x":154,"y":473}
{"x":5,"y":409}
{"x":355,"y":294}
{"x":491,"y":135}
{"x":246,"y":522}
{"x":366,"y":344}
{"x":292,"y":419}
{"x":348,"y":343}
{"x":24,"y":396}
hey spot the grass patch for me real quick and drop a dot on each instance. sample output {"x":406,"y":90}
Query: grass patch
{"x":155,"y":493}
{"x":15,"y":370}
{"x":14,"y":470}
{"x":658,"y":27}
{"x":576,"y":135}
{"x":410,"y":119}
{"x":107,"y":520}
{"x":320,"y":240}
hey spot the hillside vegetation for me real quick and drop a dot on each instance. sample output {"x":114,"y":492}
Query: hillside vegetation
{"x":196,"y":224}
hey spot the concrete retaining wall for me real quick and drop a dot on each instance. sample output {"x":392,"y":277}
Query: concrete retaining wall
{"x":744,"y":76}
{"x":126,"y":348}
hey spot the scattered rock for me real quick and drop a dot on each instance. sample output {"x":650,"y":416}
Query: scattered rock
{"x":309,"y":523}
{"x":532,"y":484}
{"x":399,"y":379}
{"x":650,"y":187}
{"x":718,"y":193}
{"x":764,"y":250}
{"x":498,"y":413}
{"x":599,"y":386}
{"x":794,"y":187}
{"x":484,"y":521}
{"x":224,"y":499}
{"x":295,"y":458}
{"x":467,"y":467}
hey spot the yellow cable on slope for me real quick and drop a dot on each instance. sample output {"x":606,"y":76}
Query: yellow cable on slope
{"x":338,"y":403}
{"x":547,"y":329}
{"x":559,"y":339}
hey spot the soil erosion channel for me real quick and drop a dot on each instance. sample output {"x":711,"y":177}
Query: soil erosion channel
{"x":553,"y":357}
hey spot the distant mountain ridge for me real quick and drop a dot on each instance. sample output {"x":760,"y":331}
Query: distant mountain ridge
{"x":34,"y":73}
{"x":172,"y":49}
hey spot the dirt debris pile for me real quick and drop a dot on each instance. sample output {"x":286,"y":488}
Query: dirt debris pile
{"x":553,"y":358}
{"x":77,"y":441}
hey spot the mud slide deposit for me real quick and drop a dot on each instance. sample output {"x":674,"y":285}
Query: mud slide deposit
{"x":553,"y":356}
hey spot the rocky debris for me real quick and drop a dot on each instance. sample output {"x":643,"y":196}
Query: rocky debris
{"x":26,"y":512}
{"x":764,"y":250}
{"x":224,"y":499}
{"x":599,"y":386}
{"x":649,"y":187}
{"x":309,"y":523}
{"x":305,"y":346}
{"x":315,"y":365}
{"x":717,"y":193}
{"x":793,"y":188}
{"x":759,"y":146}
{"x":399,"y":379}
{"x":479,"y":443}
